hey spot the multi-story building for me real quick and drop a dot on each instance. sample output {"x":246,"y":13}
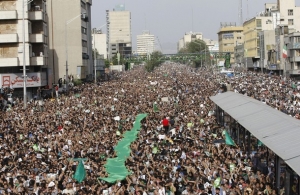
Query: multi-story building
{"x":71,"y":40}
{"x":145,"y":43}
{"x":252,"y":29}
{"x":187,"y":38}
{"x":100,"y":44}
{"x":118,"y":23}
{"x":229,"y":36}
{"x":292,"y":62}
{"x":12,"y":53}
{"x":267,"y":50}
{"x":289,"y":14}
{"x":213,"y":46}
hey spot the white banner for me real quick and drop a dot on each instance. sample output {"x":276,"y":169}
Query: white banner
{"x":34,"y":79}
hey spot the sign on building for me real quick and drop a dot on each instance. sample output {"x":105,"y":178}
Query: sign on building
{"x":35,"y":79}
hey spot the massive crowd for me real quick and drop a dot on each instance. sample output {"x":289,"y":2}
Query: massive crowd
{"x":176,"y":151}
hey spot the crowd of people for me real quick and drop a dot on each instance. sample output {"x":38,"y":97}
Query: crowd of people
{"x":176,"y":150}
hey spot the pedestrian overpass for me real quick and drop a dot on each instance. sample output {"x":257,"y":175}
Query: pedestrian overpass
{"x":182,"y":57}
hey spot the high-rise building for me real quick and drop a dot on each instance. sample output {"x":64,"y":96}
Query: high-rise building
{"x":70,"y":38}
{"x":100,"y":44}
{"x":118,"y":23}
{"x":11,"y":44}
{"x":145,"y":43}
{"x":187,"y":38}
{"x":230,"y":36}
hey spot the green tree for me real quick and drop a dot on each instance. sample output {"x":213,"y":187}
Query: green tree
{"x":154,"y":61}
{"x":199,"y":48}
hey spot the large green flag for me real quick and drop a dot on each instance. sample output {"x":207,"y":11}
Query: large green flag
{"x":228,"y":139}
{"x":155,"y":108}
{"x":80,"y":173}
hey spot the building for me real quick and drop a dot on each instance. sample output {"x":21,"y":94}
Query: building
{"x":239,"y":55}
{"x":70,"y":39}
{"x":229,"y":36}
{"x":289,"y":14}
{"x":11,"y":45}
{"x":187,"y":38}
{"x":267,"y":49}
{"x":213,"y":46}
{"x":292,"y":62}
{"x":118,"y":23}
{"x":145,"y":43}
{"x":252,"y":29}
{"x":100,"y":44}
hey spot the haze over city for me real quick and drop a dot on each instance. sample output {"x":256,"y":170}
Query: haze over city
{"x":170,"y":19}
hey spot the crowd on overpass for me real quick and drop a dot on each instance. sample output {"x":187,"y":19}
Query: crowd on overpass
{"x":179,"y":149}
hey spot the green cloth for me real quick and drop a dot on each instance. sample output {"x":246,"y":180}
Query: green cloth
{"x":155,"y":108}
{"x":259,"y":143}
{"x":115,"y":167}
{"x":80,"y":173}
{"x":217,"y":182}
{"x":228,"y":139}
{"x":35,"y":147}
{"x":77,"y":95}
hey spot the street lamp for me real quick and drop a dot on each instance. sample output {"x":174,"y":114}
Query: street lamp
{"x":24,"y":63}
{"x":95,"y":53}
{"x":66,"y":45}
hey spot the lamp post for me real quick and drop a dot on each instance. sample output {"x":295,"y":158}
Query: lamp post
{"x":95,"y":53}
{"x":66,"y":45}
{"x":24,"y":63}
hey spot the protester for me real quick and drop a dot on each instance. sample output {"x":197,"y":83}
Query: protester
{"x":41,"y":149}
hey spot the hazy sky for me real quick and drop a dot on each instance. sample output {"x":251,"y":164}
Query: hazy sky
{"x":170,"y":19}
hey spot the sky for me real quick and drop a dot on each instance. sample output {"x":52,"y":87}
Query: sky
{"x":169,"y":20}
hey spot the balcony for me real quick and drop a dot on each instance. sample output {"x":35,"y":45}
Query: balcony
{"x":297,"y":59}
{"x":84,"y":50}
{"x":9,"y":62}
{"x":83,"y":37}
{"x":36,"y":15}
{"x":37,"y":38}
{"x":38,"y":61}
{"x":9,"y":38}
{"x":8,"y":15}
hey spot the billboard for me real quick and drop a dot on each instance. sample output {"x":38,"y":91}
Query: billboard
{"x":15,"y":80}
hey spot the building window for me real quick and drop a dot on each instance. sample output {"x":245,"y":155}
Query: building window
{"x":239,"y":37}
{"x":290,"y":12}
{"x":258,"y":23}
{"x":84,"y":43}
{"x":291,"y":22}
{"x":82,"y":4}
{"x":83,"y":30}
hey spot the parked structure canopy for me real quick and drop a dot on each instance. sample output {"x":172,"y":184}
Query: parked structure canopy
{"x":278,"y":131}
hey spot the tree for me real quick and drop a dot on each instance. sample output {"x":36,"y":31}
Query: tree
{"x":154,"y":61}
{"x":200,"y":48}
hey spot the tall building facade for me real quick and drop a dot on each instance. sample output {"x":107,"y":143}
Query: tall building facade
{"x":100,"y":44}
{"x":145,"y":43}
{"x":11,"y":44}
{"x":187,"y":38}
{"x":70,"y":38}
{"x":230,"y":36}
{"x":289,"y":14}
{"x":118,"y":23}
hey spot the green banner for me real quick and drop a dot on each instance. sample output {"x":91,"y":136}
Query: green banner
{"x":115,"y":167}
{"x":227,"y":60}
